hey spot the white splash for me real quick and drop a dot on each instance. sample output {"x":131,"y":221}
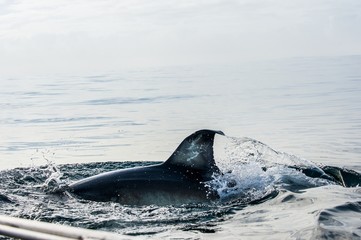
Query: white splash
{"x":251,"y":170}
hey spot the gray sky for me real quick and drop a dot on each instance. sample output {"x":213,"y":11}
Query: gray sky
{"x":66,"y":36}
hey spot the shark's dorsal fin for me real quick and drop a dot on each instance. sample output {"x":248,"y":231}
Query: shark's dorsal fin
{"x":196,"y":153}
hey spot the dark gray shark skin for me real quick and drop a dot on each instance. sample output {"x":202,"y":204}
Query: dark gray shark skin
{"x":341,"y":176}
{"x":179,"y":180}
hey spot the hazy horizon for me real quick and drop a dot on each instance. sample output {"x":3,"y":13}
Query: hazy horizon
{"x":80,"y":36}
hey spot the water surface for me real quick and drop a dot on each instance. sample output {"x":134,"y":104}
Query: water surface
{"x":309,"y":107}
{"x":68,"y":127}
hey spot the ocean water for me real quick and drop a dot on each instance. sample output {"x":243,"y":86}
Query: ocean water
{"x":56,"y":129}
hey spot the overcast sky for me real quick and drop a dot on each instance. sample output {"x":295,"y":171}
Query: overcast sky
{"x":41,"y":36}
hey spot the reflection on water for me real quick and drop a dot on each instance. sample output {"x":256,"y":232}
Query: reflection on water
{"x":308,"y":107}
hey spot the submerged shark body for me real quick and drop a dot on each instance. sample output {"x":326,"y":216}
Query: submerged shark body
{"x":179,"y":180}
{"x":182,"y":178}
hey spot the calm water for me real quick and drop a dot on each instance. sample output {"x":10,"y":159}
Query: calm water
{"x":306,"y":107}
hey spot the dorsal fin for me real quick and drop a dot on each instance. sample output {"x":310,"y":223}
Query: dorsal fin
{"x":196,"y":153}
